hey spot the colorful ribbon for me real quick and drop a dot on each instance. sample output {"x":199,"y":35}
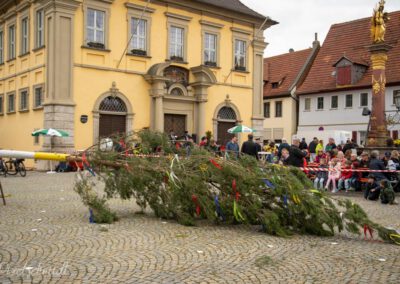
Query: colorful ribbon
{"x":235,"y":191}
{"x":237,"y":213}
{"x":196,"y":202}
{"x":91,"y":217}
{"x":369,"y":229}
{"x":86,"y":164}
{"x":395,"y":238}
{"x":220,"y":213}
{"x":218,"y":166}
{"x":268,"y":183}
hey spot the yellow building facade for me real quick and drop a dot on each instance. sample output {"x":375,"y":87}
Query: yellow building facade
{"x":94,"y":67}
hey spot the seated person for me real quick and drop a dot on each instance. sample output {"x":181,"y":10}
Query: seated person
{"x":321,"y":176}
{"x":373,"y":189}
{"x":320,"y":155}
{"x":345,"y":177}
{"x":386,"y":193}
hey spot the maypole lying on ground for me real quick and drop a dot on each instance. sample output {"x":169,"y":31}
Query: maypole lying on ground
{"x":204,"y":186}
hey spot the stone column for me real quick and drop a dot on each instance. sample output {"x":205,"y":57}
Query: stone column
{"x":157,"y":92}
{"x":257,"y":118}
{"x":378,"y":135}
{"x":200,"y":92}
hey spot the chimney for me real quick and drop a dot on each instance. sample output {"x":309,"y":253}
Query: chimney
{"x":291,"y":50}
{"x":316,"y":42}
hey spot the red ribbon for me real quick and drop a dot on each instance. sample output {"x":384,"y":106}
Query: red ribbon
{"x":218,"y":166}
{"x":196,"y":202}
{"x":369,"y":229}
{"x":234,"y":187}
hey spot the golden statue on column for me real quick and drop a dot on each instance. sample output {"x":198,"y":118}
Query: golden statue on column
{"x":378,"y":23}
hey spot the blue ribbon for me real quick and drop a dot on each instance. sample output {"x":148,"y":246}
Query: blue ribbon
{"x":91,"y":217}
{"x":268,"y":183}
{"x":218,"y":208}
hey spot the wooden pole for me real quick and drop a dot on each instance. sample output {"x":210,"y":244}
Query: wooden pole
{"x":2,"y":194}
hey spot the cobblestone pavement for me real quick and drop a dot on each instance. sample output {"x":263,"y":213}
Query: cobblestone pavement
{"x":45,"y":237}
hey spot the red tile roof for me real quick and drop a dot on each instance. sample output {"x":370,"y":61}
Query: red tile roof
{"x":283,"y":68}
{"x":352,"y":39}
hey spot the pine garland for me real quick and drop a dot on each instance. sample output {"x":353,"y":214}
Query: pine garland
{"x":203,"y":186}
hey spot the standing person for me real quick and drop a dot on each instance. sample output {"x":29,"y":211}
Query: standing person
{"x":203,"y":142}
{"x":232,"y":148}
{"x":312,"y":148}
{"x":321,"y":176}
{"x":283,"y":145}
{"x":331,"y":145}
{"x":213,"y":147}
{"x":296,"y":156}
{"x":320,"y":146}
{"x":249,"y":147}
{"x":188,"y":143}
{"x":303,"y":144}
{"x":258,"y":145}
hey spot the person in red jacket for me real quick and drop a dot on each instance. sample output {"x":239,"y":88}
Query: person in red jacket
{"x":346,"y":175}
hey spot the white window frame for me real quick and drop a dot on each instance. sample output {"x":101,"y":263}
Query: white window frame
{"x":240,"y":35}
{"x":240,"y":53}
{"x":345,"y":102}
{"x":337,"y":102}
{"x":305,"y":104}
{"x":11,"y":41}
{"x":96,"y":15}
{"x":24,"y":35}
{"x":138,"y":39}
{"x":26,"y":101}
{"x":361,"y":95}
{"x":102,"y":6}
{"x":176,"y":47}
{"x":323,"y":103}
{"x":39,"y":28}
{"x":210,"y":48}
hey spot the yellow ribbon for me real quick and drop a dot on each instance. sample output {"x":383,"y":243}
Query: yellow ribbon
{"x":203,"y":167}
{"x":393,"y":237}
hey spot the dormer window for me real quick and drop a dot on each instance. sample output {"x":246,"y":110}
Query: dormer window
{"x":275,"y":85}
{"x":349,"y":71}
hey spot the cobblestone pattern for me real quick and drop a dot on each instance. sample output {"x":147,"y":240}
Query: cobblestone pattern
{"x":45,"y":225}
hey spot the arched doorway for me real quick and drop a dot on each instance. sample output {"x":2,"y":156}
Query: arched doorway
{"x":226,"y":119}
{"x":112,"y":113}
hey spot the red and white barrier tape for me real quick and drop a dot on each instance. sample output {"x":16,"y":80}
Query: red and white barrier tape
{"x":347,"y":170}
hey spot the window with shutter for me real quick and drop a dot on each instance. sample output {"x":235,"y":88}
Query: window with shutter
{"x":343,"y":75}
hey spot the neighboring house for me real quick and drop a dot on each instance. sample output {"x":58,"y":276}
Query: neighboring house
{"x":338,"y":85}
{"x":97,"y":67}
{"x":283,"y":74}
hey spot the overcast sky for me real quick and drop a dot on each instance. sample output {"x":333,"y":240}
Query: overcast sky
{"x":300,"y":19}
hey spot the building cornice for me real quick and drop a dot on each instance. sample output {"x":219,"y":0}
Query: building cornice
{"x":139,"y":7}
{"x":178,"y":16}
{"x":211,"y":24}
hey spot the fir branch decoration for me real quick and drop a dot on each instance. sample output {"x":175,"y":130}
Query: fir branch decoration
{"x":205,"y":186}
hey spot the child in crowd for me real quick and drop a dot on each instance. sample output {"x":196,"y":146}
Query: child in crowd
{"x":345,"y":177}
{"x":373,"y":189}
{"x":320,"y":155}
{"x":387,"y":194}
{"x":321,"y":175}
{"x":333,"y":175}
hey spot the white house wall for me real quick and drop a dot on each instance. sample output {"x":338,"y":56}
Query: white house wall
{"x":341,"y":118}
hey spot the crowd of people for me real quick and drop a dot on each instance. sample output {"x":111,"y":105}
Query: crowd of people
{"x":330,"y":166}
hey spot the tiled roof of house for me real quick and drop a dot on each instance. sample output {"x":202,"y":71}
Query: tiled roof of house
{"x":234,"y":5}
{"x":351,"y":40}
{"x":283,"y":69}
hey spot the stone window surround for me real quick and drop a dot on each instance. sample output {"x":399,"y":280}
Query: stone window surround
{"x":1,"y":104}
{"x":36,"y":10}
{"x":244,"y":35}
{"x":37,"y":86}
{"x":9,"y":94}
{"x":182,"y":22}
{"x":96,"y":112}
{"x":214,"y":29}
{"x":24,"y":15}
{"x":20,"y":99}
{"x":10,"y":23}
{"x":104,"y":6}
{"x":265,"y":108}
{"x":136,"y":11}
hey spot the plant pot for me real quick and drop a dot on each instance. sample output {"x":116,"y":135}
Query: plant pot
{"x":96,"y":45}
{"x":139,"y":52}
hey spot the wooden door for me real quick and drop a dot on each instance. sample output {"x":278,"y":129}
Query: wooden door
{"x":112,"y":124}
{"x":223,"y":135}
{"x":176,"y":123}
